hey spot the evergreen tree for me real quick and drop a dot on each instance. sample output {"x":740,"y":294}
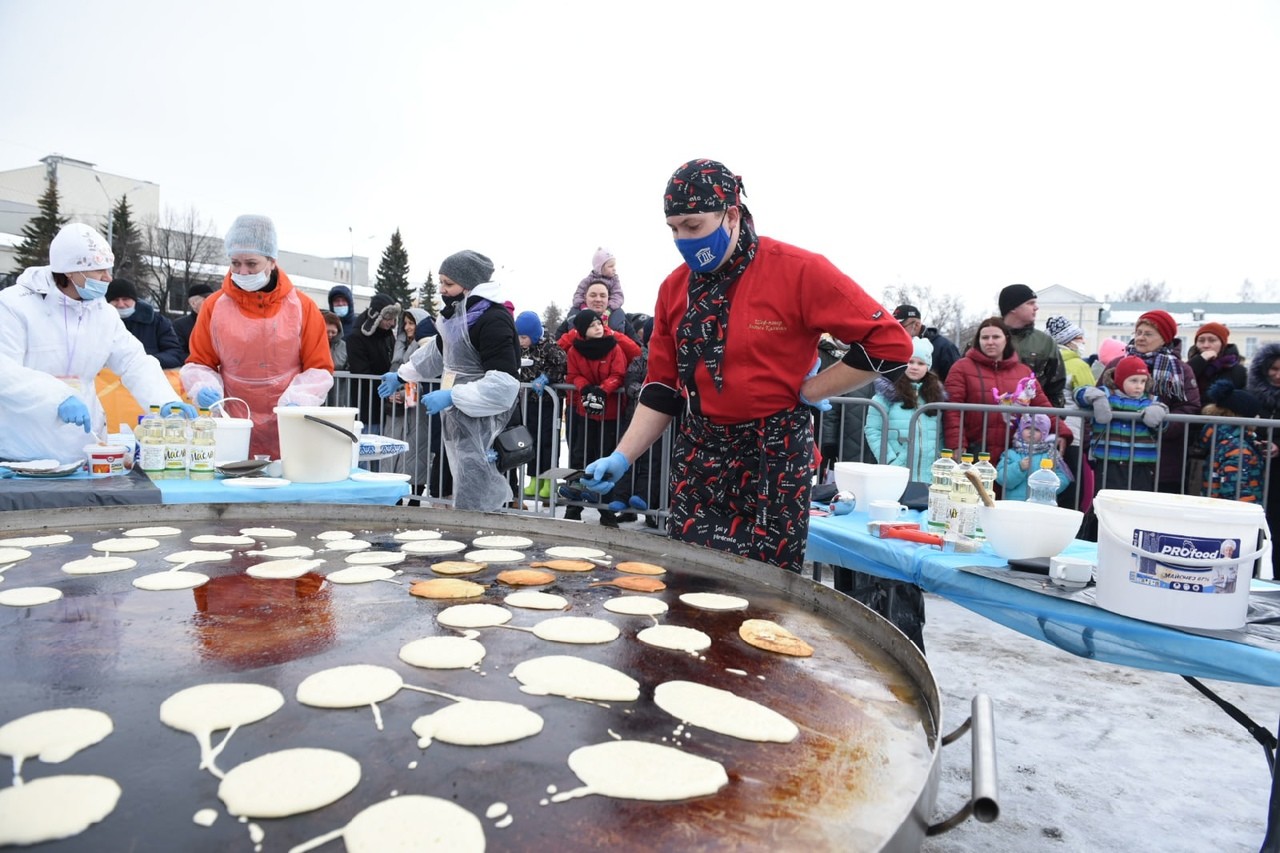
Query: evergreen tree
{"x":393,"y":272}
{"x":39,"y":232}
{"x":126,"y":244}
{"x":552,"y":317}
{"x":428,"y":296}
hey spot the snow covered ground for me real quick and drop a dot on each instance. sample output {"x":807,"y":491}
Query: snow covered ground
{"x":1092,"y":756}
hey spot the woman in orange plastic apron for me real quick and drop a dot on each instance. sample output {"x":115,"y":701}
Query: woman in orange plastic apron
{"x":258,"y":338}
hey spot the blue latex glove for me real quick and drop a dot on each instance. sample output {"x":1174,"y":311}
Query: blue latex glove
{"x":437,"y":401}
{"x":540,"y":383}
{"x":186,"y":408}
{"x":73,"y":411}
{"x":206,"y":397}
{"x":604,"y":474}
{"x":823,"y":405}
{"x":391,"y":383}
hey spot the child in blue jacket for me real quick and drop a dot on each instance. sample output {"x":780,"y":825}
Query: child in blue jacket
{"x":1032,"y":442}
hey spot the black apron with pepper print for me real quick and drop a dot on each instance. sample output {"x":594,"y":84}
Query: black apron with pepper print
{"x":744,"y":488}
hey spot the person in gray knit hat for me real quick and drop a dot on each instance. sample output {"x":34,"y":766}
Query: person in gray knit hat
{"x":467,"y":268}
{"x":1035,"y":348}
{"x":475,"y":361}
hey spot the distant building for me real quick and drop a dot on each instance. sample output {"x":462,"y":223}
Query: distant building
{"x":87,"y":195}
{"x":1252,"y":324}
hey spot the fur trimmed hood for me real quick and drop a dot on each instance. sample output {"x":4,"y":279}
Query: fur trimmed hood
{"x":1258,"y":382}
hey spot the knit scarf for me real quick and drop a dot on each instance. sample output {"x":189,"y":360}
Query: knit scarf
{"x":1166,"y":372}
{"x":702,"y":332}
{"x":1047,"y":445}
{"x":595,"y":349}
{"x":474,"y":311}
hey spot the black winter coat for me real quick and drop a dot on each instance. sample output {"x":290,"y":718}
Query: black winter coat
{"x":370,"y":354}
{"x":156,"y":333}
{"x":1228,"y":365}
{"x":183,"y":327}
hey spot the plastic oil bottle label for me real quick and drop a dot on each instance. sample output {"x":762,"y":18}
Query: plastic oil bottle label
{"x":201,"y":458}
{"x":151,"y":455}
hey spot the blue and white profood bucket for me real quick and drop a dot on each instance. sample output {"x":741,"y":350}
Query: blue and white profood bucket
{"x":1179,"y":559}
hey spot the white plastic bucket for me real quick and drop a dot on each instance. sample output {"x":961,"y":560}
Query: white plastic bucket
{"x":230,"y":435}
{"x":1178,"y":559}
{"x":312,"y":452}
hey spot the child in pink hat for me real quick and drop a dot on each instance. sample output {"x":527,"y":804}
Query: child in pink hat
{"x":604,"y":269}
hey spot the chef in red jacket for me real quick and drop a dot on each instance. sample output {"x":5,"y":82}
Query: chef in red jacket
{"x":734,"y":352}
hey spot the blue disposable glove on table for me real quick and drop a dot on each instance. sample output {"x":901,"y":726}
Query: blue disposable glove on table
{"x":73,"y":411}
{"x":437,"y":401}
{"x":540,"y":383}
{"x":206,"y":397}
{"x":604,"y":474}
{"x":186,"y":408}
{"x":391,"y":383}
{"x":823,"y":405}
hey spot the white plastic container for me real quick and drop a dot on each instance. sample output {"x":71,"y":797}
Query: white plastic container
{"x":870,"y":482}
{"x":1178,"y":559}
{"x":230,"y":435}
{"x":105,"y":460}
{"x":312,"y":452}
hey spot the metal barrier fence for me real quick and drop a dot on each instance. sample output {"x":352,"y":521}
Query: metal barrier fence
{"x":566,"y":439}
{"x":1175,"y":462}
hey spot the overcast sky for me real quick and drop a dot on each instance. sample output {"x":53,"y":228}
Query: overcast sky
{"x":959,"y":146}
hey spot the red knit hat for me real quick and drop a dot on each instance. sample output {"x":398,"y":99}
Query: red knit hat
{"x":1128,"y":366}
{"x":1218,"y":330}
{"x":1163,"y":322}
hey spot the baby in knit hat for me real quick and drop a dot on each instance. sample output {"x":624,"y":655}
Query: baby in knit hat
{"x":604,"y":269}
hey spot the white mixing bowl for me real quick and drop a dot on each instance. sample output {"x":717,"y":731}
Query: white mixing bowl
{"x":1018,"y":530}
{"x":871,"y":482}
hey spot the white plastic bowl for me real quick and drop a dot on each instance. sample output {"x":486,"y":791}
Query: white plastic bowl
{"x":871,"y":482}
{"x":1018,"y":530}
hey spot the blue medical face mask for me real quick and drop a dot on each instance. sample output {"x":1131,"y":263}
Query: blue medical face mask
{"x":126,"y":313}
{"x":341,"y":310}
{"x":91,"y":289}
{"x":703,"y":254}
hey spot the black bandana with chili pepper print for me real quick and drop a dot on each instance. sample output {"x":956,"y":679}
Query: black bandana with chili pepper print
{"x":706,"y":186}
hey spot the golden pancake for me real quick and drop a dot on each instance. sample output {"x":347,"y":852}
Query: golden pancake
{"x":772,"y":637}
{"x":441,"y":588}
{"x":525,"y":577}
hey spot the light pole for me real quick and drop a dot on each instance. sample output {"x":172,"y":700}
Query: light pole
{"x":111,"y":219}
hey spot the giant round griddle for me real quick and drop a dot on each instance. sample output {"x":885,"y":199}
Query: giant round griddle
{"x":861,"y":776}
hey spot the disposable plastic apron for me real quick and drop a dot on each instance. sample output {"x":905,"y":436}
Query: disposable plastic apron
{"x":260,"y":356}
{"x":467,"y":440}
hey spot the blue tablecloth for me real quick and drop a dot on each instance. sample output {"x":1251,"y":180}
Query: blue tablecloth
{"x":1075,"y":626}
{"x":345,"y":492}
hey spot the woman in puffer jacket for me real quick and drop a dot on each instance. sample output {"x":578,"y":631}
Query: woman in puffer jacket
{"x":990,"y":365}
{"x":900,"y":399}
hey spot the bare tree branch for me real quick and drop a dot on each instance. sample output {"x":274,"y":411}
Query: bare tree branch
{"x":1145,"y":291}
{"x":180,"y":251}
